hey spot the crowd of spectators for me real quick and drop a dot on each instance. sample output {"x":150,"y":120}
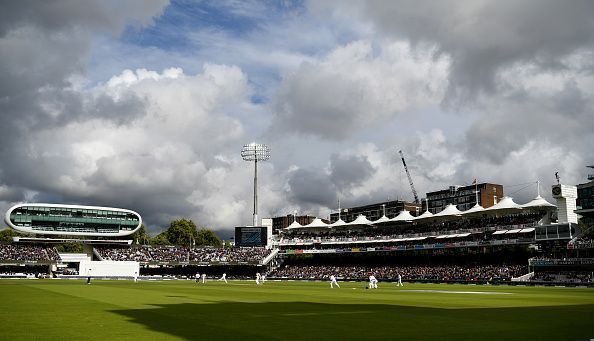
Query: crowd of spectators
{"x":139,"y":254}
{"x":440,"y":273}
{"x":184,"y":254}
{"x":233,"y":255}
{"x":20,"y":252}
{"x":563,"y":277}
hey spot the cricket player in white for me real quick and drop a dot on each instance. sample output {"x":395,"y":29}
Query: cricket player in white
{"x":203,"y":278}
{"x":333,"y":281}
{"x":258,"y":278}
{"x":372,"y":282}
{"x":399,"y":284}
{"x":223,"y":278}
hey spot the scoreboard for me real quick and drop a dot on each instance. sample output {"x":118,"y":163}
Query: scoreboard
{"x":250,"y":236}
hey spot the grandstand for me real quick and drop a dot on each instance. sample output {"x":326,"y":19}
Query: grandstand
{"x":504,"y":243}
{"x":478,"y":245}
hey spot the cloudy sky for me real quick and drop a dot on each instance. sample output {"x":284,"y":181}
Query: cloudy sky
{"x":146,"y":104}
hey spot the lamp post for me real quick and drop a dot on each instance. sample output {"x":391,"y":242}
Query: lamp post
{"x":255,"y":152}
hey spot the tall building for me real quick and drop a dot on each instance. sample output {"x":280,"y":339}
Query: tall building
{"x":585,"y":200}
{"x":465,"y":197}
{"x":375,"y":211}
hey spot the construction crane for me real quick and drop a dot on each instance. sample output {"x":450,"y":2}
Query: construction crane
{"x":412,"y":186}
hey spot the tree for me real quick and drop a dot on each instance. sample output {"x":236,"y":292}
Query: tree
{"x":7,"y":234}
{"x":208,"y":237}
{"x":140,"y":236}
{"x":160,"y":239}
{"x":181,"y":232}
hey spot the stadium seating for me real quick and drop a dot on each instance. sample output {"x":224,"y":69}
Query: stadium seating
{"x":184,"y":254}
{"x":18,"y":252}
{"x":439,"y":273}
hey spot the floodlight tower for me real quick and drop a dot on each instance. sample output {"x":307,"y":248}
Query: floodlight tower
{"x":255,"y":152}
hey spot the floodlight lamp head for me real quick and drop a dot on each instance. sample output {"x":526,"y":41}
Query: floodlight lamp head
{"x":255,"y":152}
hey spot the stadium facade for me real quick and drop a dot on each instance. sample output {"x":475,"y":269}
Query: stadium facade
{"x":72,"y":220}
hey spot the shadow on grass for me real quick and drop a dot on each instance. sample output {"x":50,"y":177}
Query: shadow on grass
{"x":302,"y":320}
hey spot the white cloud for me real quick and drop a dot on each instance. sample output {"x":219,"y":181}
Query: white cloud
{"x":357,"y":87}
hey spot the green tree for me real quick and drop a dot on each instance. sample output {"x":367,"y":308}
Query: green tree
{"x":208,"y":237}
{"x":141,"y":236}
{"x":7,"y":234}
{"x":160,"y":239}
{"x":181,"y":232}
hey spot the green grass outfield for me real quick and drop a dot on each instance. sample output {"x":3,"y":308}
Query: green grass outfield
{"x":178,"y":310}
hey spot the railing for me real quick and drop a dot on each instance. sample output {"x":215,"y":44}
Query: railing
{"x":270,"y":257}
{"x":389,"y":238}
{"x":523,"y":278}
{"x":560,"y":262}
{"x":353,"y":248}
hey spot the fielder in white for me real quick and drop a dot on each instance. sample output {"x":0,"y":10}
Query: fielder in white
{"x":333,"y":281}
{"x":372,"y":282}
{"x":399,"y":284}
{"x":258,"y":278}
{"x":223,"y":278}
{"x":203,"y":278}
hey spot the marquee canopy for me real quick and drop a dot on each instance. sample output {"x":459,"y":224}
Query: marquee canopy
{"x":361,"y":220}
{"x":294,"y":225}
{"x":506,"y":203}
{"x":316,"y":223}
{"x":538,"y":202}
{"x":449,"y":210}
{"x":404,"y":215}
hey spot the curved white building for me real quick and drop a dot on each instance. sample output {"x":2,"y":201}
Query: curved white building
{"x":72,"y":220}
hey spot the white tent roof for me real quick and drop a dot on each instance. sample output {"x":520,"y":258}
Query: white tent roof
{"x":294,"y":225}
{"x":339,"y":222}
{"x":404,"y":215}
{"x":538,"y":202}
{"x":449,"y":210}
{"x":425,"y":214}
{"x":361,"y":220}
{"x":504,"y":203}
{"x":474,"y":209}
{"x":383,"y":219}
{"x":316,"y":223}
